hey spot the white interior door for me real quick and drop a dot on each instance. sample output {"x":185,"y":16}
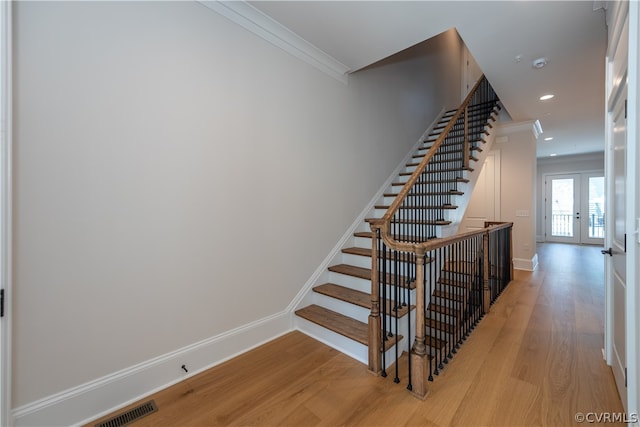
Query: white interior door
{"x":617,"y":238}
{"x":5,"y":208}
{"x":484,"y":203}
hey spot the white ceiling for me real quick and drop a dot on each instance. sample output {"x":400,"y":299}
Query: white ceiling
{"x":571,"y":34}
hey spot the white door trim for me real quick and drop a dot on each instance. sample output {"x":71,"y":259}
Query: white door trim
{"x":5,"y":207}
{"x":633,"y":211}
{"x":582,"y":173}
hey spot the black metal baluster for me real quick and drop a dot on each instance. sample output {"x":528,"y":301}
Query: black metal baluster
{"x":382,"y":252}
{"x":408,"y":298}
{"x":396,"y":298}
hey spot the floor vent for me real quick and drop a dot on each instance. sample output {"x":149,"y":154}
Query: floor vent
{"x":130,"y":416}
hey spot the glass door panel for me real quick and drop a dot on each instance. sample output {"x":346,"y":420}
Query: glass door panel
{"x":563,"y":214}
{"x":594,"y":221}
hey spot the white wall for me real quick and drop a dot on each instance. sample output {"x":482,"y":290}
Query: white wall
{"x":177,"y":177}
{"x":517,"y":145}
{"x":590,"y":162}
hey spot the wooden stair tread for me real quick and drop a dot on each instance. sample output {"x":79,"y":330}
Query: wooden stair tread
{"x":458,"y":297}
{"x":365,"y":273}
{"x":430,"y":171}
{"x":420,"y":207}
{"x":365,"y":234}
{"x":340,"y":324}
{"x":434,"y":181}
{"x":439,"y":308}
{"x":391,"y":255}
{"x":369,"y":235}
{"x":351,"y":270}
{"x":415,"y":221}
{"x":460,"y":267}
{"x":442,"y":326}
{"x":452,"y":282}
{"x":450,"y":143}
{"x":431,"y":193}
{"x":434,"y":342}
{"x":358,"y":251}
{"x":336,"y":322}
{"x":359,"y":298}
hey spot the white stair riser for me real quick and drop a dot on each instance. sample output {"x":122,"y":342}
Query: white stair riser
{"x":346,"y":345}
{"x":342,"y":307}
{"x":363,"y":242}
{"x":351,"y":282}
{"x":356,"y":260}
{"x":341,"y":343}
{"x":408,"y":213}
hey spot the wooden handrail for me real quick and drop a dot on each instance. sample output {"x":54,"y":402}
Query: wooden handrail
{"x":381,"y":229}
{"x":430,"y":245}
{"x":393,"y":208}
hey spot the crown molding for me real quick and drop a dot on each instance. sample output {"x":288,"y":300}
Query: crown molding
{"x":252,"y":19}
{"x":506,"y":128}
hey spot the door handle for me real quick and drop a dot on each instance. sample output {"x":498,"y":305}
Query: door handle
{"x":608,"y":251}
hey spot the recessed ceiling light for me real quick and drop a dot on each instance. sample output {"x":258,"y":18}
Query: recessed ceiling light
{"x":546,"y":97}
{"x":539,"y":62}
{"x":552,"y":155}
{"x":549,"y":138}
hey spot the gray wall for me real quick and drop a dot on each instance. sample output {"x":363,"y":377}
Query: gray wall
{"x":177,"y":177}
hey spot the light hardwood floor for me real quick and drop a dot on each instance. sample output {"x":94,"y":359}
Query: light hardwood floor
{"x":535,"y":360}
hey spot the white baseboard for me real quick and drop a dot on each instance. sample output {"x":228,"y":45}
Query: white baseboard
{"x":105,"y":395}
{"x":540,"y":238}
{"x":95,"y":399}
{"x":526,"y":264}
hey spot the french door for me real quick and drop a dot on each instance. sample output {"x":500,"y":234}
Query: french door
{"x":575,"y":208}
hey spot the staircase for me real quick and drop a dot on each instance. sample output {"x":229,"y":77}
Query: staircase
{"x":338,"y":307}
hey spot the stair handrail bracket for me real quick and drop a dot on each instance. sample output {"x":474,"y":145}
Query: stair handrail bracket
{"x":450,"y":281}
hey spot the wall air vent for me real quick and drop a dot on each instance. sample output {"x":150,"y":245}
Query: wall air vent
{"x":130,"y":416}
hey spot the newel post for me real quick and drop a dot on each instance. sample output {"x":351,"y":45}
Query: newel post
{"x":486,"y":267}
{"x":419,"y":356}
{"x":510,"y":237}
{"x":375,"y":324}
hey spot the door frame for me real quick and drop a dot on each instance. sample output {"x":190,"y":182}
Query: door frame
{"x":633,"y":209}
{"x":614,"y":358}
{"x":548,"y":209}
{"x":5,"y":207}
{"x":618,"y":14}
{"x":546,"y":220}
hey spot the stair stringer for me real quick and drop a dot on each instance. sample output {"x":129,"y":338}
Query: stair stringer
{"x":307,"y":296}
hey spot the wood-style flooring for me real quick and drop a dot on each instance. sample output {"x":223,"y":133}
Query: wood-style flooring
{"x":535,"y":360}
